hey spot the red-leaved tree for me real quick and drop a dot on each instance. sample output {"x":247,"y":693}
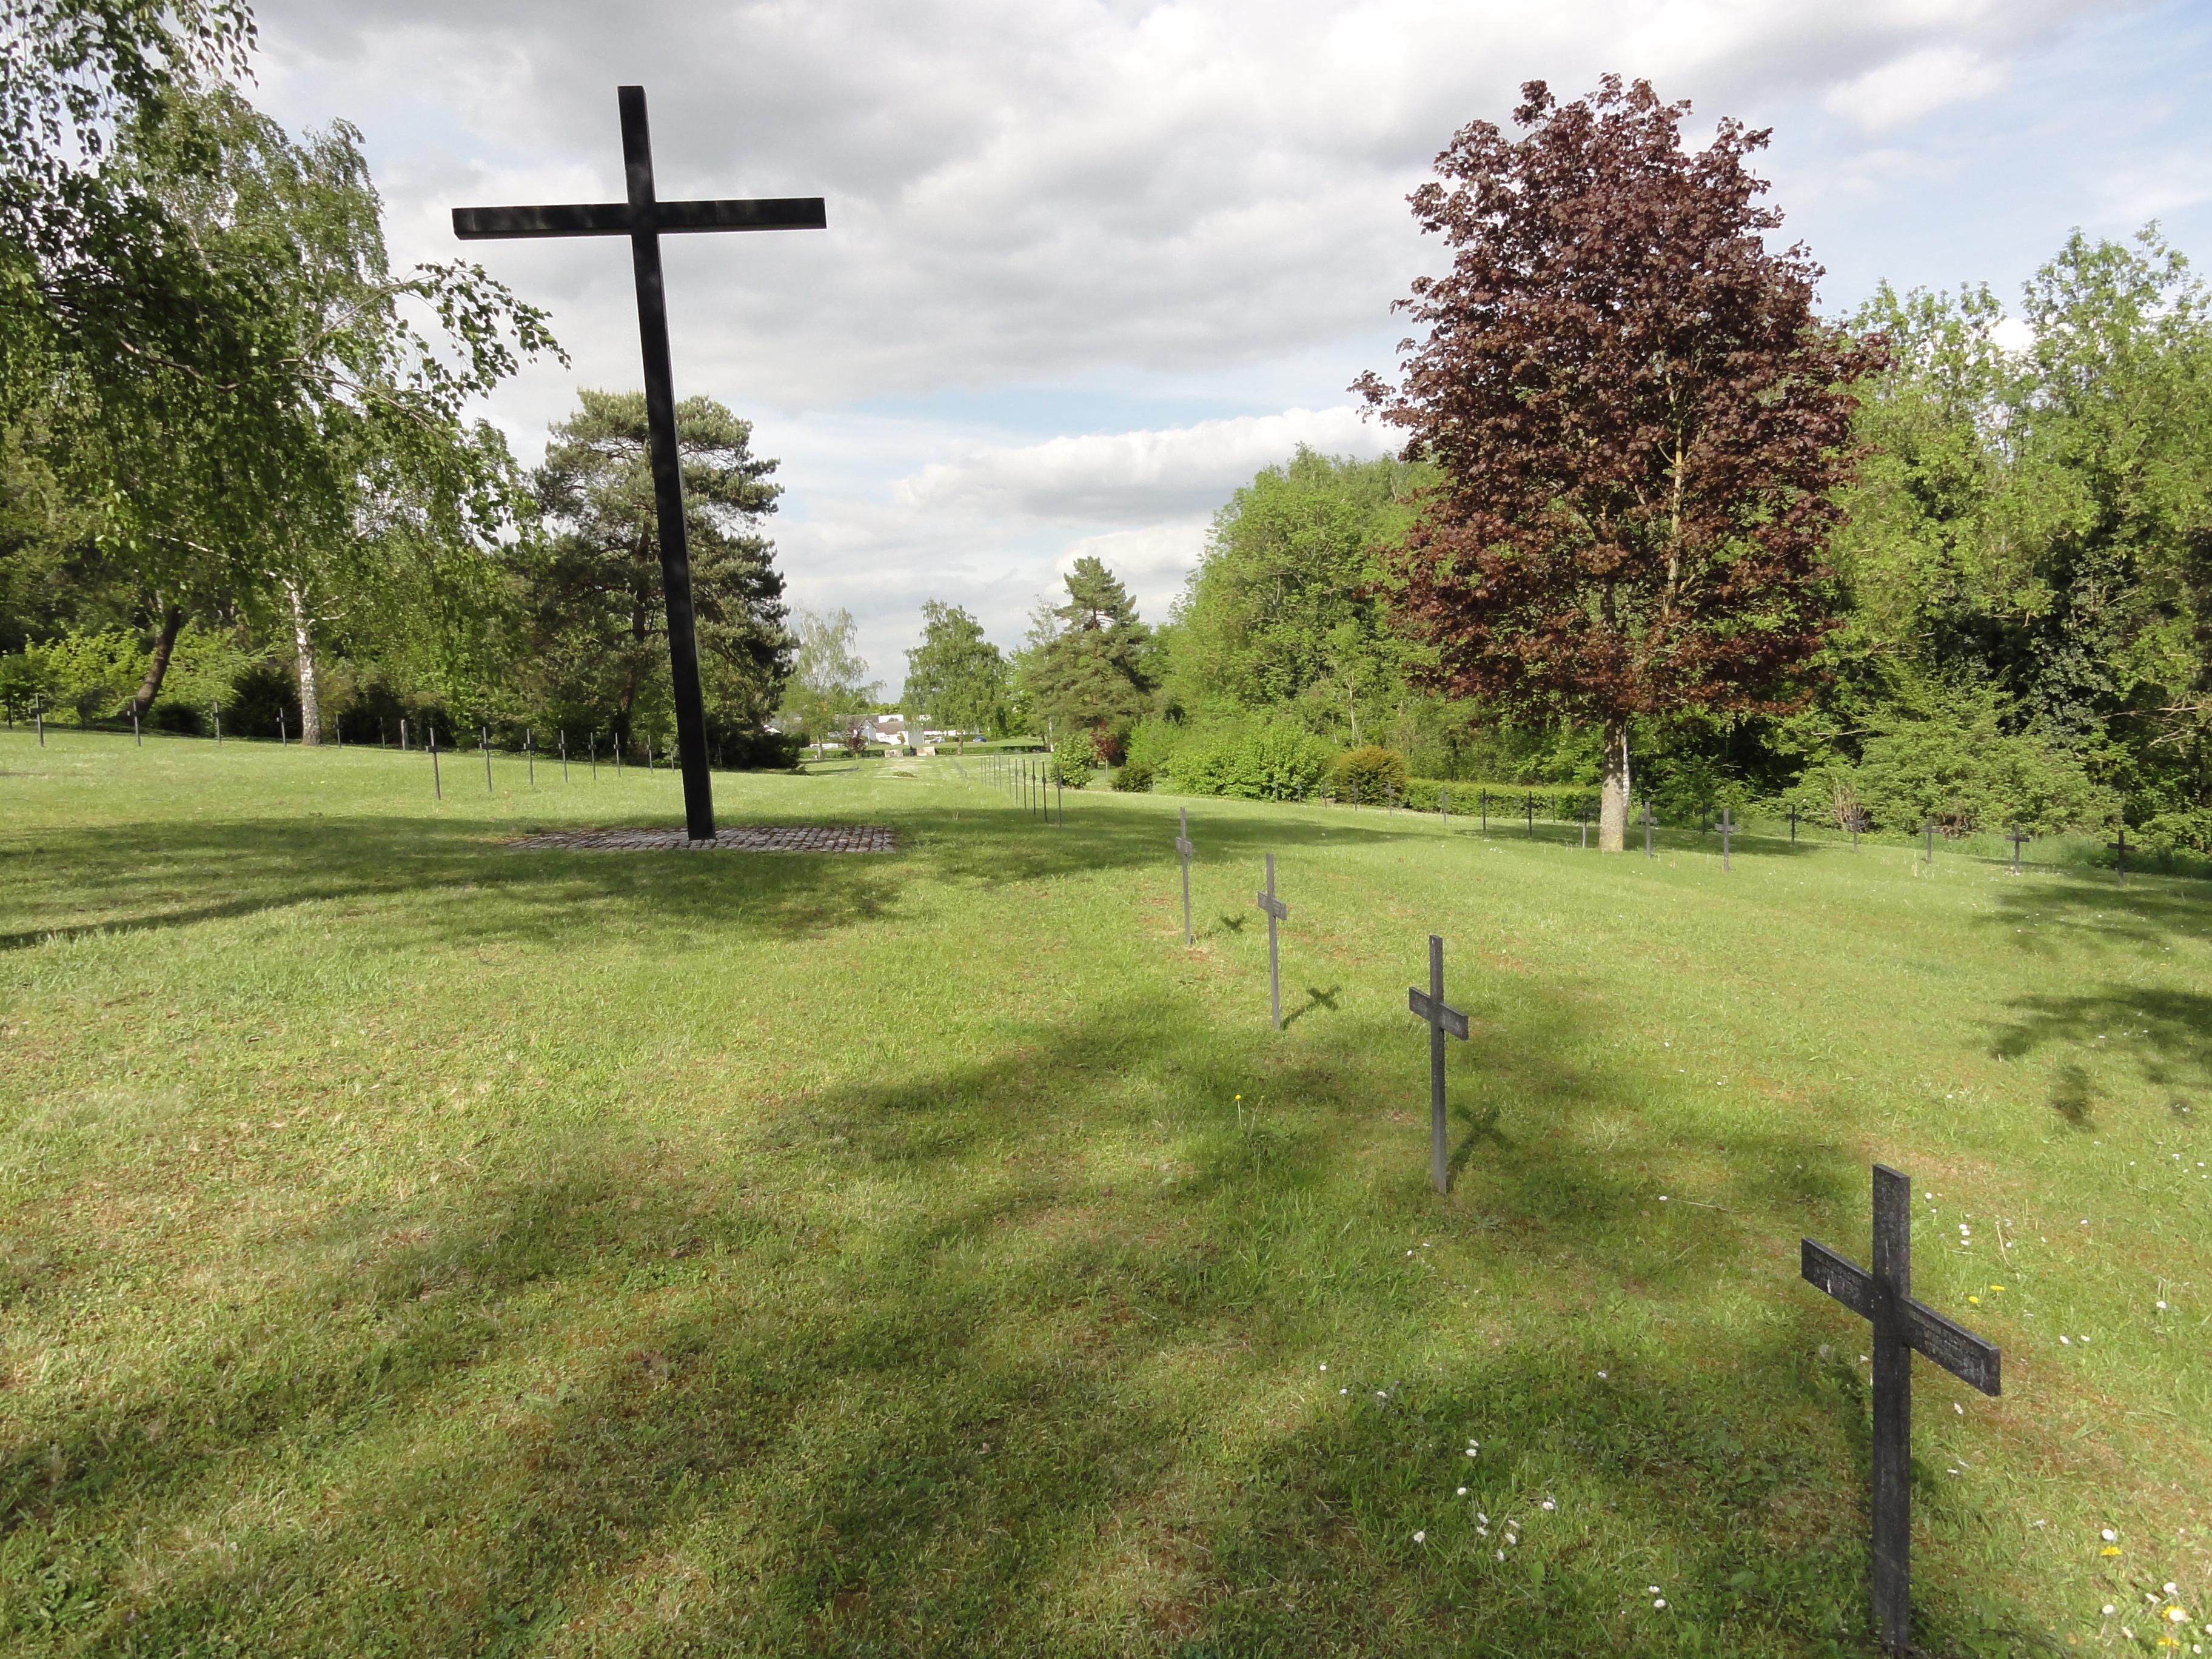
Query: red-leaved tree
{"x":1639,"y":425}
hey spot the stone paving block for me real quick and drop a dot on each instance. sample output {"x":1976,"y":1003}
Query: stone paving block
{"x":802,"y":838}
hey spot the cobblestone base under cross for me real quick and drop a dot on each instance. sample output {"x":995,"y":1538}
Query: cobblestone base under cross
{"x":807,"y":838}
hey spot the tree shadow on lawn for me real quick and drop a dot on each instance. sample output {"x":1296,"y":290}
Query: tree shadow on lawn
{"x":2081,"y":909}
{"x":134,"y":878}
{"x":937,"y":1365}
{"x":2164,"y":1037}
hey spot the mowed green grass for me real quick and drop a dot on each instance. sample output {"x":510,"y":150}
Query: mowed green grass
{"x":416,"y":1246}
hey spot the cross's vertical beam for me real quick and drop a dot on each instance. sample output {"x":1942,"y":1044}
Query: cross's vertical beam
{"x":1892,"y":1409}
{"x":1439,"y":1163}
{"x":1728,"y":828}
{"x":1274,"y":959}
{"x":667,"y":471}
{"x":1183,"y":849}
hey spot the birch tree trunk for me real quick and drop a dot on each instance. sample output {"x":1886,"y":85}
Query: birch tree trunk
{"x":1612,"y":805}
{"x":303,"y":643}
{"x":157,"y":666}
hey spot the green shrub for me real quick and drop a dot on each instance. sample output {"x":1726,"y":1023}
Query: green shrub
{"x":179,"y":717}
{"x":1367,"y":775}
{"x":1133,"y":777}
{"x":1074,"y":758}
{"x":1959,"y":769}
{"x":1268,"y":760}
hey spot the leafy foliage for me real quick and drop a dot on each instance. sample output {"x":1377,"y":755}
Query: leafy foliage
{"x":955,"y":677}
{"x":594,"y":589}
{"x":1075,"y":758}
{"x":1368,"y":775}
{"x":1087,"y":665}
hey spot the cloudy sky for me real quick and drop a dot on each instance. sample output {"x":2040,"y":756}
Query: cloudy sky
{"x":1090,"y":264}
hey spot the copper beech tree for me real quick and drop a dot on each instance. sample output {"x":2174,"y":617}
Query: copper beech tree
{"x":1639,"y":424}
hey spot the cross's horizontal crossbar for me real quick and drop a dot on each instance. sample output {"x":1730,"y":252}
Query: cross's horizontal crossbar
{"x":1956,"y":1348}
{"x":612,"y":218}
{"x":1451,"y":1019}
{"x":1184,"y":846}
{"x":1273,"y":907}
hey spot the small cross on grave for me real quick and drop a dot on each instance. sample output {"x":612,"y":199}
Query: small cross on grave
{"x":1929,"y":830}
{"x":437,"y":784}
{"x":1728,"y":828}
{"x":1485,"y":812}
{"x":1648,"y":822}
{"x":1793,"y":826}
{"x":1277,"y":910}
{"x":2019,"y":835}
{"x":1443,"y":807}
{"x":1532,"y":817}
{"x":1858,"y":821}
{"x":1443,"y":1020}
{"x":2120,"y":850}
{"x":1884,"y":1297}
{"x":645,"y":219}
{"x":483,"y":737}
{"x":1183,"y":850}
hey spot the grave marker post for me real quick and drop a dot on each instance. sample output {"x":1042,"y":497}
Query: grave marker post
{"x":1532,"y":815}
{"x":218,"y":725}
{"x":2120,"y":862}
{"x":1793,"y":826}
{"x":1884,"y":1298}
{"x":618,"y":763}
{"x":279,"y":728}
{"x":1443,"y":1021}
{"x":2017,"y":837}
{"x":1183,"y":850}
{"x":437,"y":784}
{"x":530,"y":754}
{"x":1647,"y":829}
{"x":644,"y":218}
{"x":402,"y":734}
{"x":38,"y":713}
{"x":138,"y":737}
{"x":595,"y":757}
{"x":1485,"y":814}
{"x":1582,"y":811}
{"x":1929,"y":827}
{"x":483,"y":737}
{"x":564,"y":754}
{"x":1728,"y":828}
{"x":1276,"y":911}
{"x":1859,"y":817}
{"x":1443,"y":808}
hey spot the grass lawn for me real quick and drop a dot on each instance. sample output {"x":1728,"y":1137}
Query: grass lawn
{"x":413,"y":1246}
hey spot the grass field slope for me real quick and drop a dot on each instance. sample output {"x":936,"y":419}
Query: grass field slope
{"x":410,"y":1245}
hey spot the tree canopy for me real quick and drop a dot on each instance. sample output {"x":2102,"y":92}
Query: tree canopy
{"x":1639,"y":424}
{"x":955,"y":677}
{"x":1087,"y":667}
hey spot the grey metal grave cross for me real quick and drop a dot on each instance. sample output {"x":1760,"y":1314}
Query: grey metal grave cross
{"x":643,"y":218}
{"x":1728,"y":828}
{"x":1884,"y":1298}
{"x":1183,"y":850}
{"x":1277,"y":910}
{"x":1443,"y":1019}
{"x":2120,"y":847}
{"x":2017,"y":837}
{"x":1648,"y":822}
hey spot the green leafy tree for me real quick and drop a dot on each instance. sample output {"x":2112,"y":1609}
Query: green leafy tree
{"x":1086,"y":667}
{"x":1287,"y":608}
{"x":955,"y":677}
{"x":593,"y":585}
{"x":829,"y":692}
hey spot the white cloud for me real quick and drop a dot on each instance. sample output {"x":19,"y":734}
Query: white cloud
{"x":1898,"y":92}
{"x":1135,"y":475}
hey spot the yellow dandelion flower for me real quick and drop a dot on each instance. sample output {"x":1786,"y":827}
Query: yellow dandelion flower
{"x":2109,"y":1549}
{"x":1976,"y":1300}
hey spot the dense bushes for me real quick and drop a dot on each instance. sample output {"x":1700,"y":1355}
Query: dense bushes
{"x":1133,"y":777}
{"x":1074,"y":758}
{"x":1268,"y":760}
{"x":1368,"y":775}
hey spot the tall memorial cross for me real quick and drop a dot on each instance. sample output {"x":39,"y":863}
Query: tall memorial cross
{"x":1884,"y":1297}
{"x":644,"y":218}
{"x":1183,"y":850}
{"x":1277,"y":910}
{"x":1443,"y":1020}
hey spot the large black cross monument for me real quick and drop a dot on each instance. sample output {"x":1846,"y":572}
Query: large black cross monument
{"x":643,"y":218}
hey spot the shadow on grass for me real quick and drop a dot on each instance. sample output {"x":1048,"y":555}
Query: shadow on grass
{"x":2079,"y":907}
{"x":982,"y":1361}
{"x":2164,"y":1037}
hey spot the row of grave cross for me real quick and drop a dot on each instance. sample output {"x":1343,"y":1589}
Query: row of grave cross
{"x":1882,"y":1294}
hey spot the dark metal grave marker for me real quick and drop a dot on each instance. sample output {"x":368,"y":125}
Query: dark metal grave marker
{"x":279,"y":728}
{"x":1728,"y":828}
{"x":2017,"y":837}
{"x":1793,"y":826}
{"x":1485,"y":811}
{"x":437,"y":784}
{"x":1443,"y":1020}
{"x":1276,"y":911}
{"x":1929,"y":827}
{"x":643,"y":218}
{"x":1858,"y":819}
{"x":39,"y":715}
{"x":1532,"y":816}
{"x":218,"y":724}
{"x":530,"y":754}
{"x":403,"y":736}
{"x":595,"y":757}
{"x":136,"y":736}
{"x":1183,"y":850}
{"x":1647,"y":829}
{"x":2120,"y":861}
{"x":483,"y":737}
{"x":564,"y":755}
{"x":1884,"y":1298}
{"x":618,"y":765}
